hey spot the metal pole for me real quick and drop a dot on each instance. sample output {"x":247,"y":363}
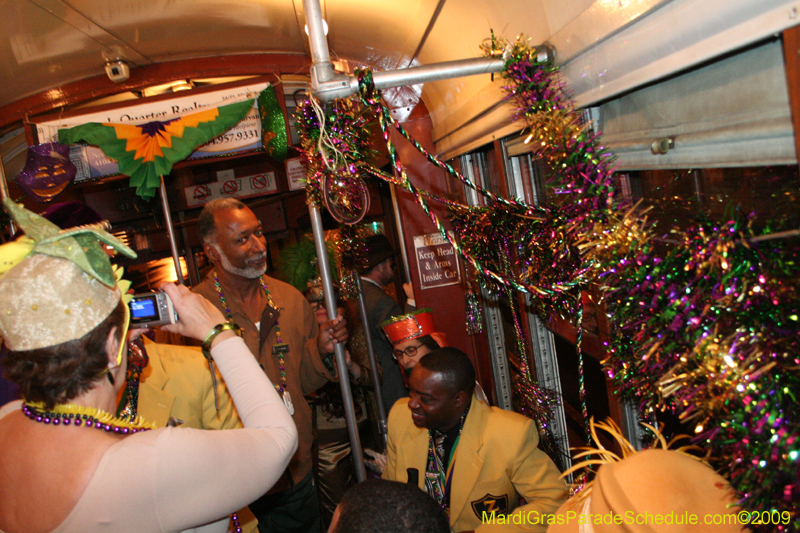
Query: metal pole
{"x":400,"y":233}
{"x":342,"y":86}
{"x":171,"y":232}
{"x":338,"y":349}
{"x":328,"y":85}
{"x":4,"y":194}
{"x":373,"y":365}
{"x":321,"y":67}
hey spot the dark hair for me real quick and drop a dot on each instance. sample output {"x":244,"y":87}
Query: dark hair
{"x":454,"y":366}
{"x":57,"y":374}
{"x":382,"y":506}
{"x":429,"y":342}
{"x":206,"y":224}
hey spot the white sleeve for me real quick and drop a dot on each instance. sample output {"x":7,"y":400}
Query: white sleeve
{"x":203,"y":475}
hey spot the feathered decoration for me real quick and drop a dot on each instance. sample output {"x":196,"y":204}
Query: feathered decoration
{"x":297,"y":265}
{"x":596,"y":457}
{"x":81,"y":245}
{"x":145,"y":152}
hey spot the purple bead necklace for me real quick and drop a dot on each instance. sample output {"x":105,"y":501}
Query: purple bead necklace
{"x":70,"y":414}
{"x":78,"y":415}
{"x":229,"y":316}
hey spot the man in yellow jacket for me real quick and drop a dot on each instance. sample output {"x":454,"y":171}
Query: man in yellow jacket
{"x":476,"y":461}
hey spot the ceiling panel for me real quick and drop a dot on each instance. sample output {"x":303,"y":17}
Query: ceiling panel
{"x":45,"y":44}
{"x":162,"y":30}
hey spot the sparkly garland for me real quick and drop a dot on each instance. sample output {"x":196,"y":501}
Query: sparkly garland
{"x":705,"y":326}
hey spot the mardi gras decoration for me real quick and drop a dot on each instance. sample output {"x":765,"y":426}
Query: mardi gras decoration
{"x":704,"y":320}
{"x":145,"y":152}
{"x":337,"y":148}
{"x":47,"y":173}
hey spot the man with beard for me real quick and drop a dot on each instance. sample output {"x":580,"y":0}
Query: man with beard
{"x":279,"y":326}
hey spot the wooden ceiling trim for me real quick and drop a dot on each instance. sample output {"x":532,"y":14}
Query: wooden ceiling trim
{"x":100,"y":86}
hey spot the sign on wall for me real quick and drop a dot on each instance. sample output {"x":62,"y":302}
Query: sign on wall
{"x":296,"y":172}
{"x":92,"y":162}
{"x":229,"y":186}
{"x":436,"y":260}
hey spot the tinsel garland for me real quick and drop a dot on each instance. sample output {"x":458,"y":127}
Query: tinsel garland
{"x":707,"y":327}
{"x":704,"y":321}
{"x":351,"y":255}
{"x":333,"y":143}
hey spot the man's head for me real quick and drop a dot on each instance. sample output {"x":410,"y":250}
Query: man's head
{"x":412,"y":336}
{"x":440,"y":388}
{"x":380,"y":259}
{"x":381,"y":506}
{"x":232,"y":238}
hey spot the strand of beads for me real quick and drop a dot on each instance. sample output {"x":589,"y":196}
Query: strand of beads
{"x":67,"y":414}
{"x":235,"y":527}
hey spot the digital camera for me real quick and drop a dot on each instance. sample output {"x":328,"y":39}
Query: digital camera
{"x":152,"y":309}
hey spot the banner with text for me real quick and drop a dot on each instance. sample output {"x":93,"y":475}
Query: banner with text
{"x":437,"y":261}
{"x":92,"y":163}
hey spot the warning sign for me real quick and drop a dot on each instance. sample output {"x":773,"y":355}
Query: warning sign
{"x":230,"y":187}
{"x":297,"y":172}
{"x":240,"y":187}
{"x":436,"y":260}
{"x":201,"y":192}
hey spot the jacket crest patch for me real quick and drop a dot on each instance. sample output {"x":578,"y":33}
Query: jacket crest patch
{"x":491,"y":504}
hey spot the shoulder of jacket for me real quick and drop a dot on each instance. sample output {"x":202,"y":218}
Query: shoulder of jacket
{"x":181,"y":360}
{"x":512,"y":423}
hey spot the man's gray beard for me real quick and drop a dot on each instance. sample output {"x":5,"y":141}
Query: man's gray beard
{"x":252,"y":272}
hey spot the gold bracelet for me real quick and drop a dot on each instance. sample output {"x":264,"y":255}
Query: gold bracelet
{"x":216,"y":330}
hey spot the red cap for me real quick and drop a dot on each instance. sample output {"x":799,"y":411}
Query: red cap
{"x":406,"y":327}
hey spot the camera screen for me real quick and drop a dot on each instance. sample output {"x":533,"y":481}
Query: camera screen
{"x":144,"y":308}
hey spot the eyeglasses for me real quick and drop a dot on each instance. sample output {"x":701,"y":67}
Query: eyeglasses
{"x":411,"y":351}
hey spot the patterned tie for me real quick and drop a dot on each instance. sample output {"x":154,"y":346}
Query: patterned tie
{"x":438,"y":440}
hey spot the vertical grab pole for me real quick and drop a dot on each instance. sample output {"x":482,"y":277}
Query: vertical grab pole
{"x":330,"y":305}
{"x":171,"y":232}
{"x":373,"y":365}
{"x":400,"y":233}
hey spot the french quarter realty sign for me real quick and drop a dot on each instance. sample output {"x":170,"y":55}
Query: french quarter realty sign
{"x":436,"y":260}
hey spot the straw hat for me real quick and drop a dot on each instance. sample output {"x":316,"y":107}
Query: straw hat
{"x":652,"y":491}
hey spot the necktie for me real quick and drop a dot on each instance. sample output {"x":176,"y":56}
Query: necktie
{"x":438,"y":440}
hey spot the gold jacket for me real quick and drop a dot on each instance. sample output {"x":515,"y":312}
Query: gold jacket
{"x":497,"y":461}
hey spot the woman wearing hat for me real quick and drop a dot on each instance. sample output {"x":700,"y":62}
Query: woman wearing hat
{"x":68,"y":465}
{"x":413,"y":336}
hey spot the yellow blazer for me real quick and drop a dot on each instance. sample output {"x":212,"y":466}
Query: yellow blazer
{"x":176,"y":386}
{"x":497,"y":461}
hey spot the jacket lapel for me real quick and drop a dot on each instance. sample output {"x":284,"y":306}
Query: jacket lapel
{"x":412,"y":452}
{"x":269,"y":317}
{"x":468,"y":461}
{"x":155,"y":405}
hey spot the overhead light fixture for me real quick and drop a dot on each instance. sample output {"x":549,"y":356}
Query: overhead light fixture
{"x":662,"y":146}
{"x":183,"y":86}
{"x":324,"y":27}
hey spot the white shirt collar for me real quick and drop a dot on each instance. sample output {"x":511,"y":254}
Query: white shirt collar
{"x":372,"y":281}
